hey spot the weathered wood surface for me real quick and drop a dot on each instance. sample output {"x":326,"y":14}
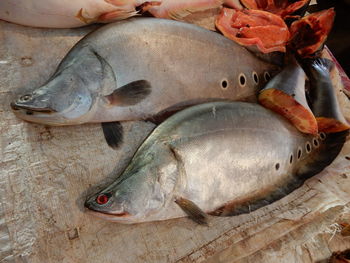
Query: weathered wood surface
{"x":46,"y":173}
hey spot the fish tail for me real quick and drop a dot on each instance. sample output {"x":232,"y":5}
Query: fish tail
{"x":322,"y":64}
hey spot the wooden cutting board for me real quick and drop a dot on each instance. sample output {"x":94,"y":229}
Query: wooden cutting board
{"x":46,"y":173}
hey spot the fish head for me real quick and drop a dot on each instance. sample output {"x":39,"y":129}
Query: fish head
{"x":138,"y":195}
{"x":68,"y":96}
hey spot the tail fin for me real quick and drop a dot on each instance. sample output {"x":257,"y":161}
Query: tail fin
{"x":310,"y":65}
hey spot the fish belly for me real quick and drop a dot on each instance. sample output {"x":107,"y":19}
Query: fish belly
{"x":234,"y":155}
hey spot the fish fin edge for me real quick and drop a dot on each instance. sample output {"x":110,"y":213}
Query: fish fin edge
{"x":192,"y":210}
{"x":113,"y":133}
{"x":130,"y":94}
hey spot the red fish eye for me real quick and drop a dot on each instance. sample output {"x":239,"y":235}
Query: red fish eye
{"x":102,"y":199}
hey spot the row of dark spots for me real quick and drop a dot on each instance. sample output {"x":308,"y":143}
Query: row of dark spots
{"x":242,"y":79}
{"x":308,"y":148}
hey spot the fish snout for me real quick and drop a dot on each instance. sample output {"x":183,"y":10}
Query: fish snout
{"x":27,"y":102}
{"x":16,"y":105}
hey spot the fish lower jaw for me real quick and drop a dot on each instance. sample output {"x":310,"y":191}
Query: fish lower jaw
{"x":123,"y":218}
{"x":48,"y":119}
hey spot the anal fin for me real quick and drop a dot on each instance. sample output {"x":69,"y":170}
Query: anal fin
{"x":192,"y":210}
{"x":113,"y":132}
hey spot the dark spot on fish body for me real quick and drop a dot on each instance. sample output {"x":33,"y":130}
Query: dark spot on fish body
{"x":322,"y":136}
{"x":299,"y":153}
{"x":315,"y":142}
{"x":26,"y":61}
{"x":347,"y":158}
{"x":255,"y":78}
{"x":308,"y":147}
{"x":277,"y":166}
{"x":242,"y":80}
{"x":267,"y":76}
{"x":29,"y":112}
{"x":224,"y":83}
{"x":291,"y":159}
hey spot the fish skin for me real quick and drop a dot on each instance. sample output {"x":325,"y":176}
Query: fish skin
{"x":207,"y":154}
{"x":183,"y":64}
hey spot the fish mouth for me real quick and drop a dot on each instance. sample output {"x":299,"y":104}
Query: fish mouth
{"x":119,"y":214}
{"x":18,"y":107}
{"x":106,"y":214}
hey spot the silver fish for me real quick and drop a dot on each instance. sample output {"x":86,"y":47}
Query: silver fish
{"x":137,"y":69}
{"x":220,"y":158}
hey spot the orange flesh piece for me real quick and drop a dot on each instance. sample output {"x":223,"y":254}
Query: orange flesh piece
{"x":253,"y":27}
{"x":329,"y":125}
{"x":281,"y":8}
{"x":310,"y":32}
{"x":287,"y":106}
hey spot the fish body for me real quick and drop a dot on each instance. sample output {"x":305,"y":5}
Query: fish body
{"x":63,"y":13}
{"x":223,"y":158}
{"x":69,"y":14}
{"x":139,"y":68}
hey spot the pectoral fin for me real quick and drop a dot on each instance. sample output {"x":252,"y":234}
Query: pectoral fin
{"x":130,"y":94}
{"x":192,"y":210}
{"x":113,"y":132}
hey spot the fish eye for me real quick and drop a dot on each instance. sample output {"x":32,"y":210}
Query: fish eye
{"x":267,"y":76}
{"x":25,"y":97}
{"x":102,"y":199}
{"x":255,"y":77}
{"x":242,"y":80}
